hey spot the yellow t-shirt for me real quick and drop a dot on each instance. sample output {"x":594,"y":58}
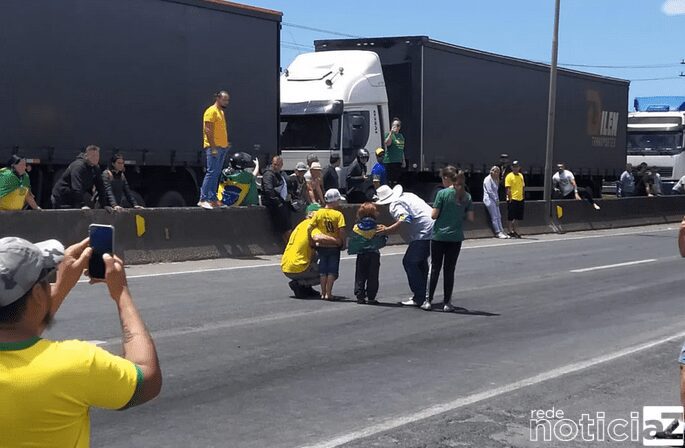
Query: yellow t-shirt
{"x":47,"y":388}
{"x":328,"y":221}
{"x":215,"y":115}
{"x":516,"y":184}
{"x":298,"y":253}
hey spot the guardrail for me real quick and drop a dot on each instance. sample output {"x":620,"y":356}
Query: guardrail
{"x":182,"y":234}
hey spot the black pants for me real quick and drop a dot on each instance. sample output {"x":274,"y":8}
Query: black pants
{"x":366,"y":275}
{"x":584,"y":193}
{"x":394,"y":171}
{"x":449,"y":252}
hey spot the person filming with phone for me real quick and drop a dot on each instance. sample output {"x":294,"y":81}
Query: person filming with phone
{"x":49,"y":386}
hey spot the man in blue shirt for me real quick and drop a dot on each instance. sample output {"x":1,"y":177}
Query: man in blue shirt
{"x":378,"y":174}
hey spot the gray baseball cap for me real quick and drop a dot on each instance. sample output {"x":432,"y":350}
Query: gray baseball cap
{"x":23,"y":264}
{"x":301,"y":166}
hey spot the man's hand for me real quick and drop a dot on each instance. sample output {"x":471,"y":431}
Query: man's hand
{"x":115,"y":276}
{"x":139,"y":207}
{"x":75,"y":261}
{"x":577,"y":197}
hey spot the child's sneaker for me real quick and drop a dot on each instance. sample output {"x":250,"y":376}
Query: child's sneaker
{"x":426,"y":306}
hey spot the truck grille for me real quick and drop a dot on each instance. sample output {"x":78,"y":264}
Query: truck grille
{"x":664,"y":171}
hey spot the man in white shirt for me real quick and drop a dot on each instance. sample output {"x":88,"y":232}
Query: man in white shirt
{"x":564,"y":184}
{"x":414,"y":223}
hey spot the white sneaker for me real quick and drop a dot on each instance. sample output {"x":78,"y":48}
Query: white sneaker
{"x":410,"y":302}
{"x":502,"y":236}
{"x":206,"y":205}
{"x":448,"y":308}
{"x":426,"y":306}
{"x":597,"y":207}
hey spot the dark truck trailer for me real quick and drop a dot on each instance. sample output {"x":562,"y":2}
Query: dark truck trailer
{"x":135,"y":76}
{"x":466,"y":107}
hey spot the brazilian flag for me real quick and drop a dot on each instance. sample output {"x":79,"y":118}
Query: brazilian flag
{"x":238,"y":189}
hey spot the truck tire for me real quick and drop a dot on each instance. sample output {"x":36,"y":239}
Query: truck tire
{"x":171,"y":199}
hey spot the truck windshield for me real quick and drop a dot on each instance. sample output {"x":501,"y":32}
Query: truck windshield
{"x":310,"y":132}
{"x":655,"y":143}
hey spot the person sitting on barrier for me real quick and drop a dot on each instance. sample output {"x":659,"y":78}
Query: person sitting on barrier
{"x":491,"y":201}
{"x":626,"y":183}
{"x":359,"y":187}
{"x":365,"y":243}
{"x":414,"y":222}
{"x":515,"y":185}
{"x":238,"y":184}
{"x":49,"y":387}
{"x":119,"y":195}
{"x":679,"y":187}
{"x":330,"y":222}
{"x":565,"y":187}
{"x":15,"y":186}
{"x":331,"y":179}
{"x":299,"y":261}
{"x":297,"y":188}
{"x":315,"y":184}
{"x":75,"y":188}
{"x":274,"y":195}
{"x":379,"y":174}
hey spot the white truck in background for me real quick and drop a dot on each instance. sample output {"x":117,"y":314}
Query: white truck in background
{"x":333,"y":101}
{"x":655,"y":136}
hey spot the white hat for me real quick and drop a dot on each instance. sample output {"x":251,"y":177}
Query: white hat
{"x":386,"y":195}
{"x":315,"y":166}
{"x":332,"y":195}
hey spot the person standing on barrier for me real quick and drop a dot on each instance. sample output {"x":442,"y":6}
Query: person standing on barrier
{"x":215,"y":131}
{"x":491,"y":201}
{"x":451,"y":208}
{"x":394,"y":152}
{"x":15,"y":186}
{"x":565,"y":187}
{"x":274,"y":196}
{"x":75,"y":188}
{"x":413,"y":221}
{"x":515,"y":186}
{"x":49,"y":387}
{"x":626,"y":183}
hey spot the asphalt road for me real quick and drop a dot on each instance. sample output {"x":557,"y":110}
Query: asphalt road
{"x":548,"y":324}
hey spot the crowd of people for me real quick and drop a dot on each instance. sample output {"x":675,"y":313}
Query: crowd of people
{"x":435,"y":233}
{"x":645,"y":181}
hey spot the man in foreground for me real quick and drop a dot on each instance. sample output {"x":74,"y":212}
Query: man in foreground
{"x":48,"y":386}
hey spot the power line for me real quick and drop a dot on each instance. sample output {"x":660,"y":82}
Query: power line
{"x":657,"y":79}
{"x":319,"y":30}
{"x":622,"y":66}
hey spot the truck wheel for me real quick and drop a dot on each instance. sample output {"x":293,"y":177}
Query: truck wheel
{"x":171,"y":199}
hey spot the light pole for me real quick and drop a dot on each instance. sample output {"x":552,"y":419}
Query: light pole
{"x":549,"y":153}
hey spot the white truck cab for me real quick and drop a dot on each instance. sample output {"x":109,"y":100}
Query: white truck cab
{"x":655,"y":136}
{"x":332,"y":102}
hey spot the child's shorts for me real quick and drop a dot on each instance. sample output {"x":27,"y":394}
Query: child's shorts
{"x":329,"y":261}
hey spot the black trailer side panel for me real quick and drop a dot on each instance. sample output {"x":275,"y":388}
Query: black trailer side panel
{"x":477,"y":108}
{"x":134,"y":75}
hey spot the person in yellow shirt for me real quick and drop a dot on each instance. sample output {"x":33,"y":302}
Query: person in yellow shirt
{"x":515,"y":186}
{"x":328,"y":221}
{"x":299,"y":261}
{"x":215,"y":144}
{"x":47,"y":387}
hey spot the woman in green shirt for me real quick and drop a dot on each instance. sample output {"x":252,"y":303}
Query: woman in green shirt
{"x":15,"y":186}
{"x":394,"y":152}
{"x":451,"y":208}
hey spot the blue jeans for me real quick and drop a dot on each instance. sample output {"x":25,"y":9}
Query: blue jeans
{"x":415,"y":264}
{"x":215,"y":163}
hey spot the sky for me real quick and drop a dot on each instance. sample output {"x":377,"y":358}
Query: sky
{"x":638,"y":40}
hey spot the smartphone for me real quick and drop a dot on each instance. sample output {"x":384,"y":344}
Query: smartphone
{"x":102,"y":242}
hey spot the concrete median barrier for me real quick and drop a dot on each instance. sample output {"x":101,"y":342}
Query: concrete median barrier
{"x":182,"y":234}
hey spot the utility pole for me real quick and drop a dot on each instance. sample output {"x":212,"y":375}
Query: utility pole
{"x":549,"y":154}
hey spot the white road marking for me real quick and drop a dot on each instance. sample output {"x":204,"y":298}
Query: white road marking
{"x":485,"y":395}
{"x":392,"y":254}
{"x":612,"y":266}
